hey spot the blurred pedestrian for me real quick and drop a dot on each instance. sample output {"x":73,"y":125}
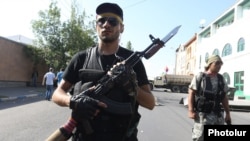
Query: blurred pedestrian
{"x":49,"y":79}
{"x":34,"y":77}
{"x":59,"y":76}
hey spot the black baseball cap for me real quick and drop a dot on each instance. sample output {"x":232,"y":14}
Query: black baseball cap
{"x":110,"y":8}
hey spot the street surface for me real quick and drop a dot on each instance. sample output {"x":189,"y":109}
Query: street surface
{"x":34,"y":119}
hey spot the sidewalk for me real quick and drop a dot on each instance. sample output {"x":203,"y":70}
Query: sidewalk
{"x":14,"y":93}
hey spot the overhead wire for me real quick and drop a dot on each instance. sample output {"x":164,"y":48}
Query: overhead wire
{"x":134,"y":4}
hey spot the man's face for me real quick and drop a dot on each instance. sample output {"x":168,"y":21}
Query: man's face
{"x":108,"y":27}
{"x":216,"y":66}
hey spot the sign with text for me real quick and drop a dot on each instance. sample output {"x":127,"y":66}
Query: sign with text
{"x":240,"y":132}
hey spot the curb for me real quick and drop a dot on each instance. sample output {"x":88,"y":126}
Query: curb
{"x":19,"y":97}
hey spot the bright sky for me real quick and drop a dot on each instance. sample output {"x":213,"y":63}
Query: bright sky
{"x":141,"y":18}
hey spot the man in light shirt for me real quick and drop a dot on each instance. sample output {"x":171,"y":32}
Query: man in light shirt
{"x":48,"y":79}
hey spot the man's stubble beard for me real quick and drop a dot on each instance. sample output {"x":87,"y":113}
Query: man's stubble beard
{"x":111,"y":39}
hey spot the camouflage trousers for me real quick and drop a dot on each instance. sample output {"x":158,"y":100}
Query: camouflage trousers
{"x":205,"y":119}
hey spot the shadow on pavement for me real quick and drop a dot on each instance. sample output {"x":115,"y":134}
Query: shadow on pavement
{"x":20,"y":102}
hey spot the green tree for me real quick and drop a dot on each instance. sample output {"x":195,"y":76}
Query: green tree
{"x":58,"y":40}
{"x":129,"y":45}
{"x":79,"y":33}
{"x":35,"y":54}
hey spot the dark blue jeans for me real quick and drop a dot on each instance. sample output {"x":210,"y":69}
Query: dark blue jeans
{"x":49,"y":91}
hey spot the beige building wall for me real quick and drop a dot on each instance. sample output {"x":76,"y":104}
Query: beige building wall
{"x":15,"y":67}
{"x":190,"y":47}
{"x":180,"y":65}
{"x":186,"y":58}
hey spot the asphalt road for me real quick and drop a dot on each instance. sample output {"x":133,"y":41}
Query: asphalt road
{"x":34,"y":119}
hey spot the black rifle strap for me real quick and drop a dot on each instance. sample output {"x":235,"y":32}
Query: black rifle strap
{"x":87,"y":58}
{"x":220,"y":86}
{"x":220,"y":83}
{"x":200,"y":79}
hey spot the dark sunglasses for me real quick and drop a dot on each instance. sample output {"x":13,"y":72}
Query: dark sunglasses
{"x":111,"y":20}
{"x":218,"y":63}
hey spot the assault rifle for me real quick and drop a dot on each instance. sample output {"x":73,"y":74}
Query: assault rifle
{"x":107,"y":81}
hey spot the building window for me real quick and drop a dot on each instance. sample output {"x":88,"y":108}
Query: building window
{"x":216,"y":52}
{"x":241,"y":45}
{"x":227,"y":77}
{"x":227,"y":50}
{"x":206,"y":57}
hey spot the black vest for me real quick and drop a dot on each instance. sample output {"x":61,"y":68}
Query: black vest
{"x":206,"y":99}
{"x":106,"y":126}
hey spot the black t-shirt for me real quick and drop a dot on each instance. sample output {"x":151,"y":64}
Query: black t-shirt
{"x":115,"y":126}
{"x":71,"y":73}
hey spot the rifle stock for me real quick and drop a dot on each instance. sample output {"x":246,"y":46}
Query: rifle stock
{"x":56,"y":136}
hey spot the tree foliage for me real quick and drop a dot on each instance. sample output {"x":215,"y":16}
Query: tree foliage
{"x":58,"y":41}
{"x":34,"y":53}
{"x":129,"y":45}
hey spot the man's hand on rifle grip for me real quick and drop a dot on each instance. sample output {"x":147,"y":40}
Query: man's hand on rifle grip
{"x":127,"y":77}
{"x":84,"y":106}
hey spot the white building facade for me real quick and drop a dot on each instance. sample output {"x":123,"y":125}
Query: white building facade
{"x":229,"y":37}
